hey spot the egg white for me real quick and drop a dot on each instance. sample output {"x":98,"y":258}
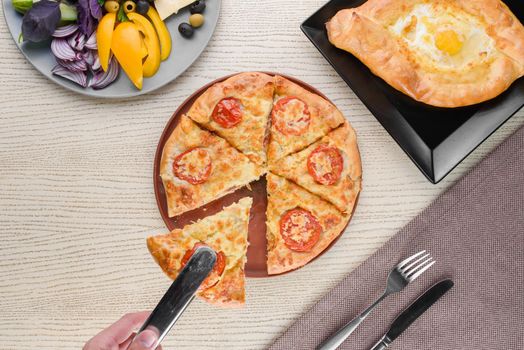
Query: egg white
{"x":430,"y":19}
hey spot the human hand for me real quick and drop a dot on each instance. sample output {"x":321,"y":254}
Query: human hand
{"x":119,"y":335}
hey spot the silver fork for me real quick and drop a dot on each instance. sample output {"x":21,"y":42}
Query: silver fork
{"x":404,"y":273}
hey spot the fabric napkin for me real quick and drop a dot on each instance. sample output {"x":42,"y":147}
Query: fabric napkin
{"x":475,"y":231}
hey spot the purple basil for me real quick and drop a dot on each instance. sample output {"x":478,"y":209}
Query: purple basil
{"x":89,"y":13}
{"x":86,"y":22}
{"x":40,"y":22}
{"x":95,"y":9}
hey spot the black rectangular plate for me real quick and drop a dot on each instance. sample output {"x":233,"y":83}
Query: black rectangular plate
{"x":436,"y":139}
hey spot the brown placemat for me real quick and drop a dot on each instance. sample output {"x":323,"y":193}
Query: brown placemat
{"x":475,"y":231}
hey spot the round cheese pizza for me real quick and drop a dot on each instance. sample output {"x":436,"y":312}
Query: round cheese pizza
{"x":244,"y":127}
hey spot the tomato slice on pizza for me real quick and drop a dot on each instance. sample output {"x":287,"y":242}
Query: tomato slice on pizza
{"x":325,"y":164}
{"x":226,"y":233}
{"x":290,"y":116}
{"x":227,"y":112}
{"x":329,"y":168}
{"x":298,"y":119}
{"x":198,"y":167}
{"x":300,"y":229}
{"x":237,"y":109}
{"x":193,"y":165}
{"x":300,"y":225}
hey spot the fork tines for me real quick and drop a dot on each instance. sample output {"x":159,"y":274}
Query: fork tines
{"x":415,"y":265}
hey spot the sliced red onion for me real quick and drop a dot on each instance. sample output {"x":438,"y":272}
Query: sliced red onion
{"x":102,"y":79}
{"x":91,"y":42}
{"x":77,"y":41}
{"x":74,"y":66}
{"x":89,"y":57}
{"x":96,"y":65}
{"x":62,"y":32}
{"x":78,"y":77}
{"x":62,"y":50}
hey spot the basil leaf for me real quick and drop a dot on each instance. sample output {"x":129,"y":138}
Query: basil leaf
{"x":41,"y":21}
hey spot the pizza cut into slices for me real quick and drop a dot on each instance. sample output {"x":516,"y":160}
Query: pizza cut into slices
{"x":298,"y":119}
{"x":226,"y":233}
{"x":300,"y":225}
{"x":329,"y":168}
{"x":238,"y":109}
{"x":198,"y":167}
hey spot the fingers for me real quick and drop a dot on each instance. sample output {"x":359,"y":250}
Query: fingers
{"x":125,"y":345}
{"x":145,"y":340}
{"x":125,"y":326}
{"x":113,"y":336}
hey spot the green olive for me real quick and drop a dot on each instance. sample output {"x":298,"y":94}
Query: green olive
{"x":129,"y":6}
{"x":111,"y":6}
{"x":196,"y":20}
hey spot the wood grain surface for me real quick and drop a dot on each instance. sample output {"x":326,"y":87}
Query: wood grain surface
{"x":77,"y":202}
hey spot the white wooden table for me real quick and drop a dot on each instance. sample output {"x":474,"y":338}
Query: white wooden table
{"x":76,"y":194}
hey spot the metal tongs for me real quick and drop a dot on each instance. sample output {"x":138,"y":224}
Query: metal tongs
{"x":181,"y":293}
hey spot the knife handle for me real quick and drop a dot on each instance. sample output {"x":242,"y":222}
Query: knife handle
{"x":181,"y":293}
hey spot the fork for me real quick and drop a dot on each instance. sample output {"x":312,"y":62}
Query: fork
{"x":405,"y":272}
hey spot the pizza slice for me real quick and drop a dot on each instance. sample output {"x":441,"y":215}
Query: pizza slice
{"x":237,"y":109}
{"x":298,"y":119}
{"x":329,"y":168}
{"x":300,"y":225}
{"x":226,"y":233}
{"x":198,"y":167}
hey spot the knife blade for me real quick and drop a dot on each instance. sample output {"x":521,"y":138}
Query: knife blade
{"x":414,"y":311}
{"x":180,"y":293}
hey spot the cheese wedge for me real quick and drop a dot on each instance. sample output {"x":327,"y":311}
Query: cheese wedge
{"x":166,"y":8}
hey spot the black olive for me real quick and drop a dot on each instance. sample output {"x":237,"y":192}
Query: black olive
{"x":142,"y":6}
{"x":197,"y":7}
{"x":186,"y":30}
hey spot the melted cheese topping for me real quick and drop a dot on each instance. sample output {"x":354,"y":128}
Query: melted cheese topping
{"x":293,"y":116}
{"x":446,"y":36}
{"x":322,"y":163}
{"x":299,"y":227}
{"x":195,"y":162}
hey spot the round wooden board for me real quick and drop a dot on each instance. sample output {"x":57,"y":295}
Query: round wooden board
{"x":256,"y":252}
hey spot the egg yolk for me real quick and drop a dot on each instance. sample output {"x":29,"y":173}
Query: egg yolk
{"x":448,"y":41}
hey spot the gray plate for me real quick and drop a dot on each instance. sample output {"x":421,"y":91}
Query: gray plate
{"x":184,"y":52}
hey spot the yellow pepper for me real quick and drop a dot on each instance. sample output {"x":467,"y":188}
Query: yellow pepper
{"x":126,"y":45}
{"x":104,"y":33}
{"x":163,"y":33}
{"x":152,"y":62}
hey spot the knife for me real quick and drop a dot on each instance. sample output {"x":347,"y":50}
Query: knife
{"x":414,"y":311}
{"x":181,"y":293}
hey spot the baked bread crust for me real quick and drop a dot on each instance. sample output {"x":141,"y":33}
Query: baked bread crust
{"x":323,"y":118}
{"x":363,"y":31}
{"x":284,"y":196}
{"x":344,"y":192}
{"x":224,"y":232}
{"x":255,"y":92}
{"x":230,"y":169}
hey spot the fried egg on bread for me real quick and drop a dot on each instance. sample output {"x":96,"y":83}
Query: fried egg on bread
{"x":447,"y":53}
